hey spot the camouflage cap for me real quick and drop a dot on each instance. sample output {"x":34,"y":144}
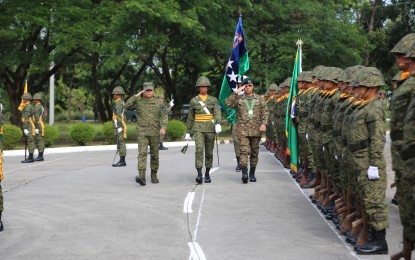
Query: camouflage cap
{"x":273,"y":86}
{"x":351,"y":72}
{"x":118,"y":91}
{"x":148,"y":86}
{"x":27,"y":95}
{"x":203,"y":82}
{"x":406,"y":45}
{"x":371,"y":77}
{"x":38,"y":96}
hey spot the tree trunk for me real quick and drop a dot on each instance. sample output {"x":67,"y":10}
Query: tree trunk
{"x":375,"y":6}
{"x":98,"y":97}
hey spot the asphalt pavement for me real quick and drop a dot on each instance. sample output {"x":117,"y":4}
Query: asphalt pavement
{"x":74,"y":205}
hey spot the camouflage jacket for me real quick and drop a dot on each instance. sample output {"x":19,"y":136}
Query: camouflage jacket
{"x":196,"y":107}
{"x":327,"y":112}
{"x":402,"y":106}
{"x":151,"y":115}
{"x":118,"y":113}
{"x":367,"y":135}
{"x":38,"y":116}
{"x":248,"y":123}
{"x":27,"y":117}
{"x":301,"y":106}
{"x":338,"y":115}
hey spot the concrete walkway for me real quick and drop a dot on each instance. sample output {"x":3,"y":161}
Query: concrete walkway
{"x":75,"y":205}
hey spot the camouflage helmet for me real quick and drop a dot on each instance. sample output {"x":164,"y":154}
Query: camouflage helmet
{"x":371,"y":77}
{"x":405,"y":46}
{"x":317,"y":71}
{"x":203,"y":82}
{"x":304,"y":76}
{"x":118,"y":91}
{"x":37,"y":96}
{"x":27,"y":95}
{"x":286,"y":83}
{"x":273,"y":86}
{"x":351,"y":72}
{"x":331,"y":74}
{"x":382,"y":91}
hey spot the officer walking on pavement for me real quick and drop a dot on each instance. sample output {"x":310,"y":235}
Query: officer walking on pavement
{"x":39,"y":126}
{"x":252,"y":118}
{"x":28,"y":125}
{"x":118,"y":123}
{"x":151,"y":123}
{"x":203,"y":122}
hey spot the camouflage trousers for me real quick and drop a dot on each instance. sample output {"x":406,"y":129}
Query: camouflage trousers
{"x":405,"y":185}
{"x":236,"y":142}
{"x":302,"y":149}
{"x":372,"y":195}
{"x":1,"y":198}
{"x":249,"y":148}
{"x":40,"y":143}
{"x":30,"y":142}
{"x":122,"y":150}
{"x":143,"y":143}
{"x":332,"y":166}
{"x":205,"y":142}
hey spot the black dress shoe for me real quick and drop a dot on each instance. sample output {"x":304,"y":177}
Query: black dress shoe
{"x":1,"y":226}
{"x":163,"y":148}
{"x":39,"y":158}
{"x":395,"y":201}
{"x":140,"y":181}
{"x":28,"y":160}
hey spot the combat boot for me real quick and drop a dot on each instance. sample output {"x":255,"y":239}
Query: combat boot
{"x":252,"y":177}
{"x":1,"y":223}
{"x":39,"y":157}
{"x":162,"y":147}
{"x":141,"y":178}
{"x":375,"y":245}
{"x":154,"y":177}
{"x":199,"y":178}
{"x":120,"y":163}
{"x":244,"y":174}
{"x":207,"y":176}
{"x":29,"y":159}
{"x":238,"y":165}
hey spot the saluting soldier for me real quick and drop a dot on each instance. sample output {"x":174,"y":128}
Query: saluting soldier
{"x":39,"y":126}
{"x":235,"y":138}
{"x":402,"y":107}
{"x":252,"y":118}
{"x":28,"y":125}
{"x":151,"y":123}
{"x":118,"y":123}
{"x":203,"y":122}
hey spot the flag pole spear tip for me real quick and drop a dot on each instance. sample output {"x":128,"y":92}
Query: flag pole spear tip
{"x":299,"y":43}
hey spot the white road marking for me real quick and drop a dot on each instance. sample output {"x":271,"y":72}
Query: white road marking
{"x":34,"y":164}
{"x":196,"y":252}
{"x":187,"y":207}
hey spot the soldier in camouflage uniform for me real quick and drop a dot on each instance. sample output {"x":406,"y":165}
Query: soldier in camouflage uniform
{"x":1,"y":192}
{"x":151,"y":123}
{"x":1,"y":127}
{"x":402,"y":107}
{"x":28,"y":125}
{"x":366,"y":143}
{"x":203,"y":122}
{"x":39,"y":126}
{"x":270,"y":100}
{"x":235,"y":138}
{"x":252,"y":118}
{"x":118,"y":123}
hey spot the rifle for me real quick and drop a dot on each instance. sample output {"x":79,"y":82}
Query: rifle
{"x":25,"y":147}
{"x":118,"y":143}
{"x":217,"y":148}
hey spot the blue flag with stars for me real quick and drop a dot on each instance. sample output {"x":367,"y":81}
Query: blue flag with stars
{"x":238,"y":65}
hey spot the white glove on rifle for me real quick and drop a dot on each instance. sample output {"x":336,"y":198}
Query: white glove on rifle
{"x":187,"y":137}
{"x":171,"y":104}
{"x":26,"y":132}
{"x":119,"y":130}
{"x":37,"y":131}
{"x":373,"y":173}
{"x":218,"y":128}
{"x":336,"y":157}
{"x":306,"y":136}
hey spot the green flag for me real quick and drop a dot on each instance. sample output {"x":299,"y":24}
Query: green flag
{"x":290,"y":127}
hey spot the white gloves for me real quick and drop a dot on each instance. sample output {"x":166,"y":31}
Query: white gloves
{"x":373,"y":173}
{"x":324,"y":149}
{"x":119,"y":130}
{"x":37,"y":131}
{"x":306,"y":136}
{"x":171,"y":104}
{"x":187,"y":137}
{"x":218,"y":128}
{"x":336,"y":157}
{"x":26,"y":132}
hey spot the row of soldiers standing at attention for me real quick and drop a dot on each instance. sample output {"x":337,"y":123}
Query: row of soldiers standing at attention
{"x":341,"y":126}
